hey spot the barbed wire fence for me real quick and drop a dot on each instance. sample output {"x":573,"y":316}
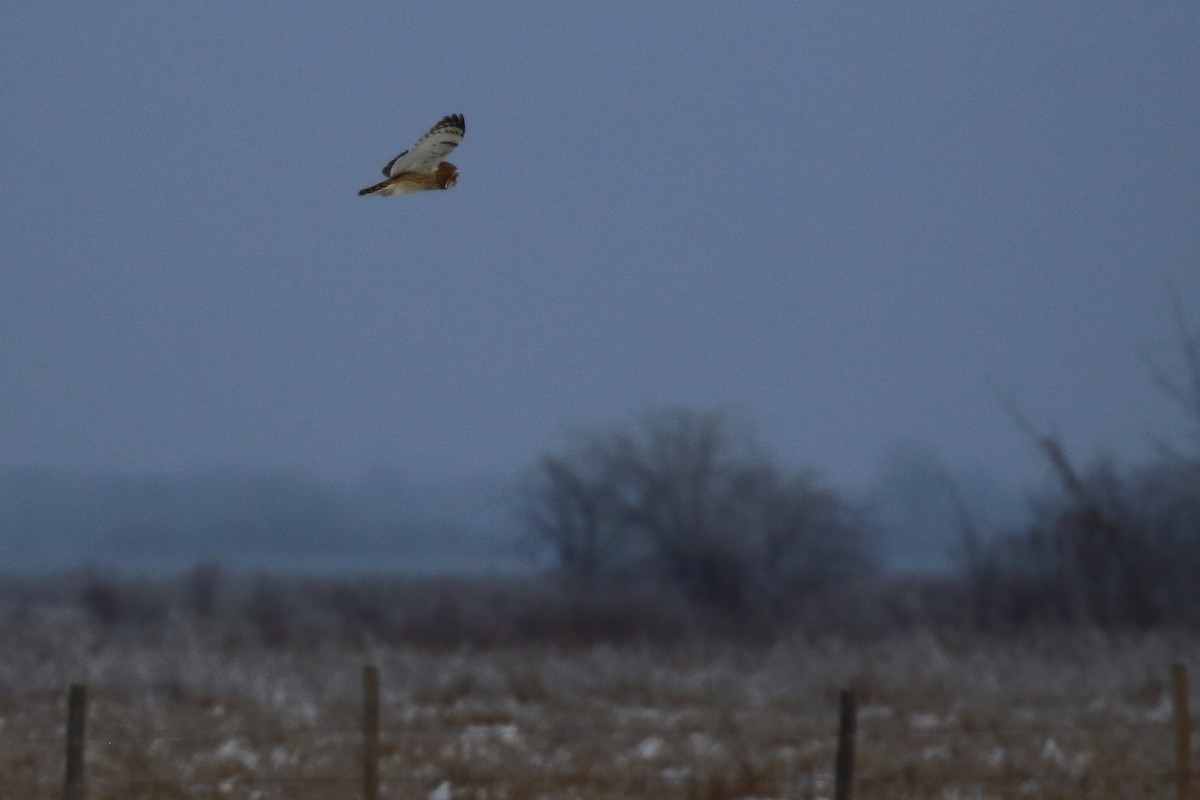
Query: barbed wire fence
{"x":832,"y":756}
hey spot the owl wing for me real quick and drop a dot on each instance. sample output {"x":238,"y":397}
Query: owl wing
{"x":430,"y":148}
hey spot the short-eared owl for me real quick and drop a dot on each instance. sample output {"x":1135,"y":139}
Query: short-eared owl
{"x":420,"y":167}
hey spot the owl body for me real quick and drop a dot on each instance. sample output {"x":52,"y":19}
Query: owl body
{"x":445,"y":176}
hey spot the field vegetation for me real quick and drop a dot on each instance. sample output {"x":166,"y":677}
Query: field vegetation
{"x":251,"y":689}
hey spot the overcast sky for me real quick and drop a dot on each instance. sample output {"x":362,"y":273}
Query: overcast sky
{"x":846,"y":222}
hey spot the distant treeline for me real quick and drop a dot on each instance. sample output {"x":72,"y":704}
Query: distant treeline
{"x":672,"y":526}
{"x":665,"y":524}
{"x":287,"y":521}
{"x":693,"y":506}
{"x":688,"y":504}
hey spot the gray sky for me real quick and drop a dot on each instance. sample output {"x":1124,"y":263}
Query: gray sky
{"x":844,"y":221}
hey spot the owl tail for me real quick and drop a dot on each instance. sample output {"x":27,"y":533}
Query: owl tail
{"x":372,"y":189}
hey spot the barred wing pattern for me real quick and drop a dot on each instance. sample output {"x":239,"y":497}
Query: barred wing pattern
{"x":430,"y":148}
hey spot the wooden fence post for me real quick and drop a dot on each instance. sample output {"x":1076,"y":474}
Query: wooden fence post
{"x":847,"y":732}
{"x":73,"y":788}
{"x":370,"y":733}
{"x":1183,"y":732}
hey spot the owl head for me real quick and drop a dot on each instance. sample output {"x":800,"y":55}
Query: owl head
{"x":447,"y":174}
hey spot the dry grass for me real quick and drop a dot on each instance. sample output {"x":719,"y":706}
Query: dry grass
{"x":184,"y":716}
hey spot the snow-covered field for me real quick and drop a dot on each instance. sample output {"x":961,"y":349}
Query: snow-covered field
{"x":181,"y":715}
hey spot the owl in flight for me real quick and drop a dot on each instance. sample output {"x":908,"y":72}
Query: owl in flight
{"x":421,"y":167}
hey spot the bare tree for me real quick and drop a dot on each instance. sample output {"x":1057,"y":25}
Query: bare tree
{"x":810,"y":536}
{"x":569,"y":505}
{"x":1085,"y":557}
{"x":680,"y":475}
{"x":1181,"y":383}
{"x":685,"y":496}
{"x":1111,"y":547}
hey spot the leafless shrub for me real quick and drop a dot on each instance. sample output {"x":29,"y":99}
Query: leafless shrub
{"x":1108,"y":546}
{"x":684,"y":498}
